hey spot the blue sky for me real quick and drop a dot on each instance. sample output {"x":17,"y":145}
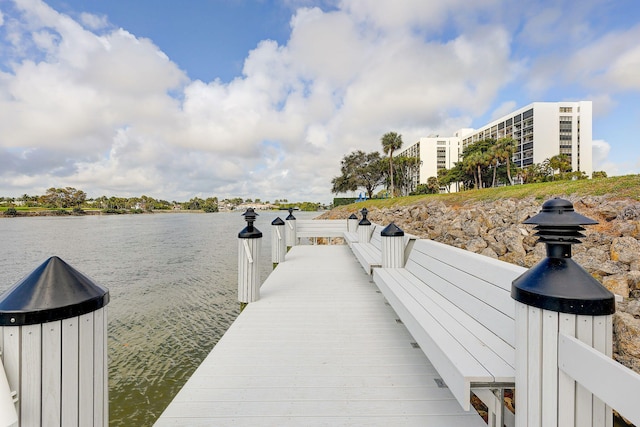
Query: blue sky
{"x":262,"y":98}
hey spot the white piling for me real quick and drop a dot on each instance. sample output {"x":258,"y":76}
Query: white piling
{"x":54,"y":334}
{"x":352,"y":223}
{"x":392,"y":247}
{"x":278,"y":244}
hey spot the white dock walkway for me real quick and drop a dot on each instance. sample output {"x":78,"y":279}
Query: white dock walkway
{"x":320,"y":348}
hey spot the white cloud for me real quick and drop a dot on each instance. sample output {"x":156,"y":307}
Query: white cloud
{"x":94,"y":22}
{"x":601,"y":151}
{"x":89,"y":105}
{"x":504,"y":108}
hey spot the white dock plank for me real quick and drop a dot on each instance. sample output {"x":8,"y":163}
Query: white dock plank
{"x":321,"y":347}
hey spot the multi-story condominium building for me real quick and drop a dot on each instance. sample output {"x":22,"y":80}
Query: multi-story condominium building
{"x":435,"y":153}
{"x":541,"y":130}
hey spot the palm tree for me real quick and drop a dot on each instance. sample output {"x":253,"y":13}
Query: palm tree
{"x":493,"y":156}
{"x":560,"y":163}
{"x":506,"y":147}
{"x":391,"y":141}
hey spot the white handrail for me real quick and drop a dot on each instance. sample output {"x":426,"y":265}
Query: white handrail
{"x":611,"y":382}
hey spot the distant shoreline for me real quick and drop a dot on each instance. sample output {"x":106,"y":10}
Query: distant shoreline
{"x":57,"y":213}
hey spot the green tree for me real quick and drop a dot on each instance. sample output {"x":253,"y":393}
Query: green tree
{"x":476,"y":158}
{"x":210,"y":205}
{"x":598,"y":174}
{"x":505,"y":148}
{"x":455,"y":175}
{"x":359,"y":170}
{"x":405,"y":168}
{"x":560,"y":163}
{"x":391,"y":141}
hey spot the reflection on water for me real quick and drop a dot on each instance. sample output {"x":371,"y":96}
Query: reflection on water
{"x":173,"y":285}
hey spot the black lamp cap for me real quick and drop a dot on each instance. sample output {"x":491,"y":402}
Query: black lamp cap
{"x":353,"y":216}
{"x":392,"y":230}
{"x":250,"y":232}
{"x":558,"y":283}
{"x":559,"y":212}
{"x":277,"y":221}
{"x":562,"y":285}
{"x":364,"y":220}
{"x":53,"y":291}
{"x":291,"y":217}
{"x":250,"y":214}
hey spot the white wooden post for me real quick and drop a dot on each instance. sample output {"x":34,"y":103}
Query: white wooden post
{"x":352,"y":223}
{"x":57,"y":367}
{"x":249,"y":241}
{"x":278,"y":244}
{"x":392,"y":247}
{"x":364,"y":227}
{"x":291,"y":230}
{"x":558,"y":296}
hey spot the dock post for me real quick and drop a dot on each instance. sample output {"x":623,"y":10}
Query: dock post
{"x":557,"y":299}
{"x":291,"y":230}
{"x":249,"y":240}
{"x":54,"y":331}
{"x":352,"y":223}
{"x":392,"y":247}
{"x":364,"y":228}
{"x":278,"y":244}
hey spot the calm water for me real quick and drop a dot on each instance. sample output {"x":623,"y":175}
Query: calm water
{"x":173,"y":285}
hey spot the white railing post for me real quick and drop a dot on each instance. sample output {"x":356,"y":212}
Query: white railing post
{"x":54,"y":332}
{"x":278,"y":244}
{"x":558,"y":296}
{"x":364,"y":227}
{"x":291,"y":230}
{"x":249,"y":240}
{"x":352,"y":223}
{"x":392,"y":247}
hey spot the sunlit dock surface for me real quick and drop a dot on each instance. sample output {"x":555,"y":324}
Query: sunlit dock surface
{"x":321,"y":347}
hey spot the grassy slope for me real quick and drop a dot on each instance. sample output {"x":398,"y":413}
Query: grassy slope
{"x":622,"y":187}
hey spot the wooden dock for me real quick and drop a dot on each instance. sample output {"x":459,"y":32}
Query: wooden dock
{"x":321,"y":347}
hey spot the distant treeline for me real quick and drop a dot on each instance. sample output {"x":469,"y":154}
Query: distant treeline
{"x":72,"y":198}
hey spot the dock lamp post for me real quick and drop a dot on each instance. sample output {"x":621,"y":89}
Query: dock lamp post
{"x":249,"y":240}
{"x":557,"y":299}
{"x":291,"y":232}
{"x":364,"y":227}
